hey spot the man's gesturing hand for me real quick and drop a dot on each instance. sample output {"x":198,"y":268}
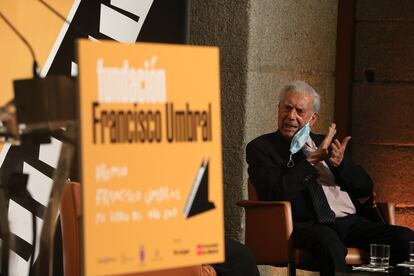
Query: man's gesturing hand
{"x":322,"y":152}
{"x":337,"y":151}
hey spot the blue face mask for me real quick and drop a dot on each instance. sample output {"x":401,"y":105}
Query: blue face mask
{"x":298,"y":141}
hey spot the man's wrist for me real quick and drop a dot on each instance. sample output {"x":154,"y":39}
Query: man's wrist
{"x":311,"y":160}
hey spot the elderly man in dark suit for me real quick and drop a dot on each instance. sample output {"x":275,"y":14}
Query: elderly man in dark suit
{"x":322,"y":183}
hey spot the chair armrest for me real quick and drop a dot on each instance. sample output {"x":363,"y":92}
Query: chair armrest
{"x":268,"y":230}
{"x":387,"y":210}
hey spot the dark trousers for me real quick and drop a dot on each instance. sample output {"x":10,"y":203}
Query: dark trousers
{"x":239,"y":261}
{"x":329,"y":243}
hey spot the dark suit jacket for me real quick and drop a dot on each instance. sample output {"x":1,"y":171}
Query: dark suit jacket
{"x":267,"y":157}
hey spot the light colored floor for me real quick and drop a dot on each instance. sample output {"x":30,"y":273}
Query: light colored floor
{"x":275,"y":271}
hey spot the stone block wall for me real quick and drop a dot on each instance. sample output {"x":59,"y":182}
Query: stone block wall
{"x":289,"y":40}
{"x":225,"y":24}
{"x":382,"y":100}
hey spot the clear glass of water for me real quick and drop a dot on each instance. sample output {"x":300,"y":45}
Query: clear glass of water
{"x":411,"y":251}
{"x":379,"y":255}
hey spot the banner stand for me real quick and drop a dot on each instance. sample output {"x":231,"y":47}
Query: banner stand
{"x":61,"y":174}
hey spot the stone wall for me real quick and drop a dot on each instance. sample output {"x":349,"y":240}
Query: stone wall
{"x":383,"y":97}
{"x":225,"y":24}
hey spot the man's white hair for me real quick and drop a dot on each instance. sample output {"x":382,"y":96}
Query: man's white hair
{"x":304,"y":88}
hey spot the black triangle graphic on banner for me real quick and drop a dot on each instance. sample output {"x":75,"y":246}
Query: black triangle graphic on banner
{"x":197,"y":201}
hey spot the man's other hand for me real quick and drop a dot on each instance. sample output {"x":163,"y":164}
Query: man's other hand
{"x":337,"y":151}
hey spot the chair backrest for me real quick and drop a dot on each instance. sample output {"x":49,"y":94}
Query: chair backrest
{"x":251,"y":191}
{"x":379,"y":211}
{"x":70,"y":215}
{"x":271,"y":219}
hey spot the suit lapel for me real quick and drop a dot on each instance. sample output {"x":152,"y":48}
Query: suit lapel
{"x":281,"y":144}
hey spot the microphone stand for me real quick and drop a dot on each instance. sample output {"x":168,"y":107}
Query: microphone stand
{"x":4,"y":223}
{"x":43,"y":106}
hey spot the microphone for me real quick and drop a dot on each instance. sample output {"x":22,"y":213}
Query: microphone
{"x":49,"y":7}
{"x":35,"y":66}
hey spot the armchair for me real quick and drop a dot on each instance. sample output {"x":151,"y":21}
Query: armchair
{"x":269,"y":227}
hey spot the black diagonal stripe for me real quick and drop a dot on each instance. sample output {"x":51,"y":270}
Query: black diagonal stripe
{"x":31,"y":205}
{"x":125,"y":12}
{"x":20,"y":247}
{"x":41,"y":166}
